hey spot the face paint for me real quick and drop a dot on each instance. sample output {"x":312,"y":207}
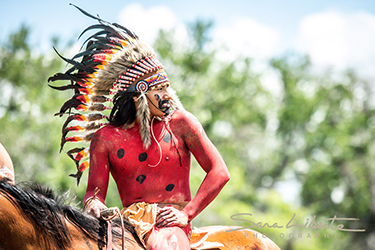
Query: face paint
{"x":163,"y":105}
{"x":158,"y":101}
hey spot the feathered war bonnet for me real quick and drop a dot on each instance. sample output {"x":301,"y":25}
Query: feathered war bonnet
{"x":115,"y":60}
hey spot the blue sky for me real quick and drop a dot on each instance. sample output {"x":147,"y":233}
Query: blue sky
{"x":48,"y":18}
{"x":271,"y":26}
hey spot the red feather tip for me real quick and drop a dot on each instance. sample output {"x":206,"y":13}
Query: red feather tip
{"x":74,"y":139}
{"x":86,"y":91}
{"x":83,"y":166}
{"x":80,"y":155}
{"x":83,"y":98}
{"x":75,"y":128}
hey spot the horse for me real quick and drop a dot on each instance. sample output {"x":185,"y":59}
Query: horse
{"x":33,"y":217}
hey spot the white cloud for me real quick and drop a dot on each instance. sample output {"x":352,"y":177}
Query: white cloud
{"x":246,"y":37}
{"x":147,"y":22}
{"x":339,"y":40}
{"x":241,"y":37}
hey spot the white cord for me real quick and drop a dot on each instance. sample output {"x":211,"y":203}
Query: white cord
{"x":153,"y":136}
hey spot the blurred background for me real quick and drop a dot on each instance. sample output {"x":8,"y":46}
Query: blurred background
{"x":284,"y":89}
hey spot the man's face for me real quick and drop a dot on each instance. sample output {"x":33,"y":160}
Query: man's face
{"x":158,"y":101}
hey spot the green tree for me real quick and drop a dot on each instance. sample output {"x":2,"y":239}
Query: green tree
{"x":316,"y":132}
{"x":332,"y":118}
{"x":28,"y":128}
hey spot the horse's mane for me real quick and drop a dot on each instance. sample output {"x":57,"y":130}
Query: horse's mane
{"x":48,"y":212}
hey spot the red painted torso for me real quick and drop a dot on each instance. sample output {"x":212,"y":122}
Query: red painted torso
{"x":120,"y":152}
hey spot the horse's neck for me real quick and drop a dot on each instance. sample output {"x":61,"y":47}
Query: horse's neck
{"x":80,"y":240}
{"x":16,"y":230}
{"x":130,"y":241}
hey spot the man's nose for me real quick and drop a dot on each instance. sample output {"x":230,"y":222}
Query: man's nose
{"x":167,"y":95}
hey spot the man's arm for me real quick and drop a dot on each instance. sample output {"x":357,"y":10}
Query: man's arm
{"x":211,"y":162}
{"x":98,"y":176}
{"x":209,"y":159}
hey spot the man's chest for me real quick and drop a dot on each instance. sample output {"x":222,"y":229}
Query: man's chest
{"x":166,"y":155}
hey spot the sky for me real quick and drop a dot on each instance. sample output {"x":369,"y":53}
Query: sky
{"x":335,"y":33}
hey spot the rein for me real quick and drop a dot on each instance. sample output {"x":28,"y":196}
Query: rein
{"x":108,"y":215}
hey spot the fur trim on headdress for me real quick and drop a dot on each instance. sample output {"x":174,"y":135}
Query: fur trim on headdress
{"x":121,"y":62}
{"x":143,"y":116}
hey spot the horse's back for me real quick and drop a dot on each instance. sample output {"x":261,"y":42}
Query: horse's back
{"x":225,"y":238}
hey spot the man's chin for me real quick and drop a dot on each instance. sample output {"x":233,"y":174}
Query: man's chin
{"x":166,"y":112}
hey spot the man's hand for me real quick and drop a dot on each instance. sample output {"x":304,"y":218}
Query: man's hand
{"x":94,"y":207}
{"x":170,"y":216}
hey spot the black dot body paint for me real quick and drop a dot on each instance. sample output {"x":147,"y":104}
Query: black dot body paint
{"x":141,"y":178}
{"x":120,"y":153}
{"x":142,"y":157}
{"x":169,"y":187}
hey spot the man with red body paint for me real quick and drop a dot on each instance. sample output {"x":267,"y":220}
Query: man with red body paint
{"x":159,"y":174}
{"x":148,"y":143}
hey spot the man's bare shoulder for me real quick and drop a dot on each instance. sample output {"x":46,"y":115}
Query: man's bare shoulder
{"x":105,"y":134}
{"x":108,"y":130}
{"x":184,"y":117}
{"x":186,"y":123}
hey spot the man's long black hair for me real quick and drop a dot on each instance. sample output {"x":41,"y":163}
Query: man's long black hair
{"x":123,"y":111}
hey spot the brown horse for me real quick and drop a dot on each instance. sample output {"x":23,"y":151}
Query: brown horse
{"x":34,"y":218}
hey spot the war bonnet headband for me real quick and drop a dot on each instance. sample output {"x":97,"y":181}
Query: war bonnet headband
{"x":114,"y":60}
